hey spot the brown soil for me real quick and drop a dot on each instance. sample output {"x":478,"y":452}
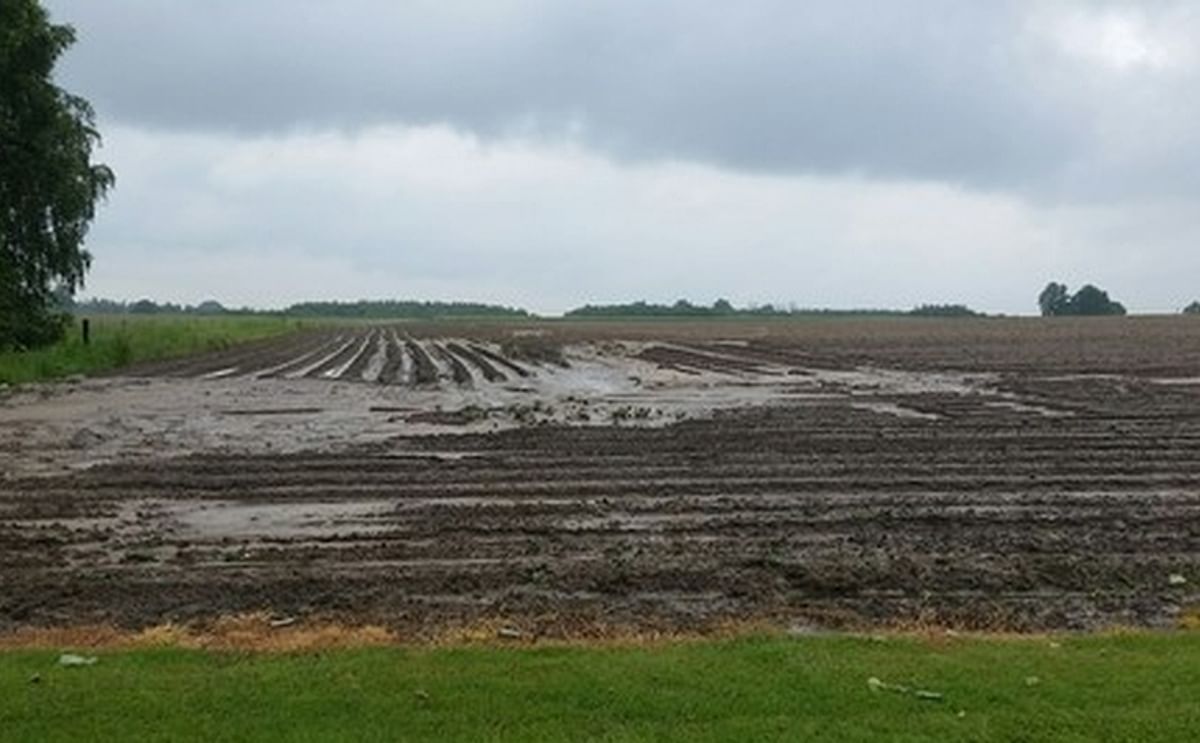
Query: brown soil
{"x":775,"y":476}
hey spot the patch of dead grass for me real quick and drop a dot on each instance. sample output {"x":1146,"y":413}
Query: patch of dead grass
{"x":260,"y":632}
{"x":247,"y":632}
{"x":1189,"y":619}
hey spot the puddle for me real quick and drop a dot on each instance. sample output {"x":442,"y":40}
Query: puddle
{"x":900,"y":411}
{"x":1181,"y":381}
{"x":604,"y":384}
{"x":1022,"y":407}
{"x":215,"y":520}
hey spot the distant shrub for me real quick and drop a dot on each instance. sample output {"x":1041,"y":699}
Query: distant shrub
{"x":944,"y":310}
{"x":1192,"y":309}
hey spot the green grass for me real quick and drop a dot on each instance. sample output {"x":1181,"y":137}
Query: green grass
{"x":122,"y":340}
{"x":1092,"y":688}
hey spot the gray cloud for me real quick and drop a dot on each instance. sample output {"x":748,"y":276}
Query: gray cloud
{"x":975,"y":93}
{"x":427,"y":212}
{"x":549,"y":153}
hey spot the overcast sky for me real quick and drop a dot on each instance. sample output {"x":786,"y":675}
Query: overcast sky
{"x":549,"y":153}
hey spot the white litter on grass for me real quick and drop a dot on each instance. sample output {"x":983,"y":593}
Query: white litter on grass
{"x":70,"y":660}
{"x":922,"y":694}
{"x":1176,"y":579}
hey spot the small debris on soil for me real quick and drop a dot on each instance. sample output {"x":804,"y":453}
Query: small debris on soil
{"x":281,"y":623}
{"x":85,"y":438}
{"x":509,"y":633}
{"x":802,"y":629}
{"x":1176,"y":579}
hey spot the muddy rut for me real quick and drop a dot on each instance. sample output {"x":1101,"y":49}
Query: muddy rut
{"x":1032,"y":501}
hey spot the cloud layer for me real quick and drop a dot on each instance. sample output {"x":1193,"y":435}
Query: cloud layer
{"x":546,"y":153}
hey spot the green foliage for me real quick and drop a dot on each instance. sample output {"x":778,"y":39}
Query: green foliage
{"x":48,"y":185}
{"x":722,"y":308}
{"x":149,"y":307}
{"x":681,"y":308}
{"x":944,"y":310}
{"x":1091,"y":300}
{"x":362,"y":309}
{"x":1056,"y":299}
{"x":1075,"y":688}
{"x":400,"y":309}
{"x":1192,"y":309}
{"x":120,"y":341}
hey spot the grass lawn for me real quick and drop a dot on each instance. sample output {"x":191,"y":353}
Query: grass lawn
{"x":1136,"y":687}
{"x":119,"y":340}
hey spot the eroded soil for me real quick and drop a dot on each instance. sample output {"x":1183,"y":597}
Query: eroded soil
{"x":657,"y":477}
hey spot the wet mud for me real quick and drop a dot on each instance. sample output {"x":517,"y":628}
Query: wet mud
{"x":670,"y":484}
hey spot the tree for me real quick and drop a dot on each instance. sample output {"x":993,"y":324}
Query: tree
{"x":1054,"y":299}
{"x":1091,"y":300}
{"x":49,"y":186}
{"x":1192,"y":309}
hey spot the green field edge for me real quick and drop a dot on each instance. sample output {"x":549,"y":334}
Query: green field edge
{"x":120,"y":341}
{"x":1114,"y":687}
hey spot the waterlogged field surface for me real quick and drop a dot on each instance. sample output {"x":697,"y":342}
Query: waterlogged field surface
{"x":1009,"y":474}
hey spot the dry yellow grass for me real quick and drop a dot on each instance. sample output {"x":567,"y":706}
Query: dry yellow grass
{"x":260,"y":632}
{"x":248,"y":632}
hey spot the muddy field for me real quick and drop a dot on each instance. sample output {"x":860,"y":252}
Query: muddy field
{"x":999,"y":474}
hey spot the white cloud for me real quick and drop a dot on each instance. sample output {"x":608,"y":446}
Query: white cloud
{"x":1126,"y":38}
{"x":428,"y":212}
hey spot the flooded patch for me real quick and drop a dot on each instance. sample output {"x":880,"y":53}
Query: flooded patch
{"x":891,"y":408}
{"x":1025,"y":407}
{"x":216,"y":520}
{"x":380,"y":385}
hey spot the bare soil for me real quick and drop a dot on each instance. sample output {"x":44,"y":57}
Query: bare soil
{"x":996,"y":474}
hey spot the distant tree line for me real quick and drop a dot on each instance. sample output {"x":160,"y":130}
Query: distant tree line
{"x":723,"y":308}
{"x":944,"y":310}
{"x":1056,"y":299}
{"x":402,"y":309}
{"x":145,"y":307}
{"x":367,"y":309}
{"x":1192,"y":309}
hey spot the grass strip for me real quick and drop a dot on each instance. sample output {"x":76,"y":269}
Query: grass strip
{"x":118,"y":341}
{"x":1124,"y":687}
